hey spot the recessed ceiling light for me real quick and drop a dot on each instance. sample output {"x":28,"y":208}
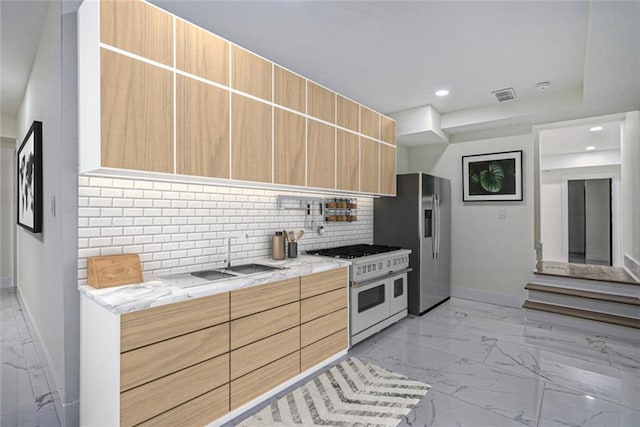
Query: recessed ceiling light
{"x":596,"y":129}
{"x":590,"y":148}
{"x":442,"y":92}
{"x":589,"y":397}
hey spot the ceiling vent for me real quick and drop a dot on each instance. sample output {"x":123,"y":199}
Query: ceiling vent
{"x":503,"y":95}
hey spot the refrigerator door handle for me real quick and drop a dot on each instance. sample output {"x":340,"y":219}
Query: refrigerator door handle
{"x":436,"y":233}
{"x":433,"y":227}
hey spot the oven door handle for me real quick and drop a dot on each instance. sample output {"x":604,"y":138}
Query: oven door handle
{"x":380,"y":278}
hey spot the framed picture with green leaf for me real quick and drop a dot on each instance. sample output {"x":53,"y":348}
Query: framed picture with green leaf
{"x":494,"y":177}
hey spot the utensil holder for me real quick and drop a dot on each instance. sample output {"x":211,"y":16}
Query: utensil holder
{"x":293,"y":249}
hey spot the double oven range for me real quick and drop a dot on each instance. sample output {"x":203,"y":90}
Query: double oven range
{"x":377,"y":286}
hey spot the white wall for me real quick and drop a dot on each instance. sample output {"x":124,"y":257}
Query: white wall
{"x":630,"y":189}
{"x":6,"y":211}
{"x":50,"y":301}
{"x":402,"y":159}
{"x":7,"y":127}
{"x":492,"y":259}
{"x":177,"y":227}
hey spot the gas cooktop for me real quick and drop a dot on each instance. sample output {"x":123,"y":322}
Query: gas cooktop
{"x":353,"y":251}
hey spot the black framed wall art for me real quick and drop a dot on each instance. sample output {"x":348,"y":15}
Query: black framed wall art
{"x":492,"y":177}
{"x":29,"y":169}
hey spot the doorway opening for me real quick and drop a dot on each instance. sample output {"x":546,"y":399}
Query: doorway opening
{"x":589,"y":221}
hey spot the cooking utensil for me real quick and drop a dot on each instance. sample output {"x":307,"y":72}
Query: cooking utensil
{"x":286,"y":235}
{"x":300,"y":234}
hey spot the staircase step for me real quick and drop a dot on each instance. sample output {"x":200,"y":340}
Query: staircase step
{"x":599,"y":273}
{"x":602,"y":296}
{"x":583,"y":314}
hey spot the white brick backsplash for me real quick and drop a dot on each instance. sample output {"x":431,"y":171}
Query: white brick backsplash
{"x":111,"y":192}
{"x":178,"y":227}
{"x":123,"y":203}
{"x":100,"y":222}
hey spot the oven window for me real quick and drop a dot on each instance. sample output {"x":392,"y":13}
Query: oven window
{"x":398,"y":288}
{"x":370,"y":298}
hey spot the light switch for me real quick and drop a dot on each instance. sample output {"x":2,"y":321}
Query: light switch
{"x":502,"y":213}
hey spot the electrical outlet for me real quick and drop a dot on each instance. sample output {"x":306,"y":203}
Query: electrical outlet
{"x":502,"y":213}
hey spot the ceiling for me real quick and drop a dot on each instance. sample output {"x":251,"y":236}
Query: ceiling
{"x":575,"y":139}
{"x":393,"y":55}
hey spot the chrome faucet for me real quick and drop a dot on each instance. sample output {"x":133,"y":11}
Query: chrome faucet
{"x":228,"y":260}
{"x":228,"y":252}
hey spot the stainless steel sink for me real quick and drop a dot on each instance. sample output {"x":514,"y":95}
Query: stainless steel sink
{"x":252,"y":268}
{"x":212,"y":275}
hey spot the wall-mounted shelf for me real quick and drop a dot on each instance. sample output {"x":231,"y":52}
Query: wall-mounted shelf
{"x":297,"y":203}
{"x":341,"y":210}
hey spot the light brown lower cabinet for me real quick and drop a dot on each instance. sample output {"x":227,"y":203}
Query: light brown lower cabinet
{"x":192,"y":362}
{"x":314,"y":307}
{"x":264,"y":379}
{"x":322,"y":327}
{"x":196,"y":412}
{"x":323,"y":349}
{"x":165,"y":357}
{"x":260,"y":353}
{"x":149,"y":400}
{"x":264,"y":324}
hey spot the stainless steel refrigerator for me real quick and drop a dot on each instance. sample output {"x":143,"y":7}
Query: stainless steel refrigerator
{"x":419,"y":218}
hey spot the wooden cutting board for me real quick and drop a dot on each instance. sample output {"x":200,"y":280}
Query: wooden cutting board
{"x":113,"y":270}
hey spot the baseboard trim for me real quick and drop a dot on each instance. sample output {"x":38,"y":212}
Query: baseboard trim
{"x":514,"y":301}
{"x":43,"y":353}
{"x":632,"y":267}
{"x":6,"y":282}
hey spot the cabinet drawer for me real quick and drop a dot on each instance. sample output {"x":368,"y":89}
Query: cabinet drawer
{"x":264,"y":379}
{"x":262,"y":325}
{"x":151,"y":399}
{"x":319,"y":283}
{"x":253,"y":356}
{"x":314,"y":307}
{"x":166,"y":357}
{"x":322,"y":327}
{"x":145,"y":327}
{"x":323,"y":349}
{"x":200,"y":411}
{"x":264,"y":297}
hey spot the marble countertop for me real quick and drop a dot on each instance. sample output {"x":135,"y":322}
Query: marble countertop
{"x":159,"y":291}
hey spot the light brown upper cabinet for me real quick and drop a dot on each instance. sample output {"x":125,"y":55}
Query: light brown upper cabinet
{"x":289,"y":148}
{"x":289,"y":89}
{"x":348,"y":114}
{"x":251,"y":147}
{"x":201,"y":53}
{"x":251,"y":74}
{"x":202,"y":129}
{"x":320,"y":155}
{"x":137,"y":27}
{"x":347,"y":161}
{"x":388,"y":130}
{"x":369,"y":165}
{"x":321,"y":102}
{"x":137,"y":114}
{"x":369,"y":122}
{"x":387,"y":169}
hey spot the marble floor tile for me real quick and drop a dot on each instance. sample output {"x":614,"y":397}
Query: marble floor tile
{"x":440,"y":410}
{"x":586,"y":377}
{"x":447,"y":340}
{"x":570,"y":408}
{"x":580,"y":346}
{"x":504,"y":393}
{"x":624,"y":355}
{"x":473,"y":309}
{"x":25,"y":395}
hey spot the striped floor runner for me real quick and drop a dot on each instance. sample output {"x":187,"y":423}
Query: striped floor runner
{"x":353,"y":393}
